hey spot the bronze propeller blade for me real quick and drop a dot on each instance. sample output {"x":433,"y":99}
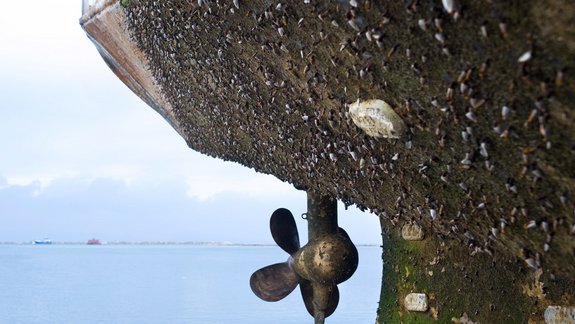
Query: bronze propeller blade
{"x":274,"y":282}
{"x":284,"y":230}
{"x":326,"y":295}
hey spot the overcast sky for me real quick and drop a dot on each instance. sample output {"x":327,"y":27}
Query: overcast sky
{"x":81,"y":156}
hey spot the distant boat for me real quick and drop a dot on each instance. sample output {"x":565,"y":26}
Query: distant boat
{"x":94,"y":242}
{"x":44,"y":241}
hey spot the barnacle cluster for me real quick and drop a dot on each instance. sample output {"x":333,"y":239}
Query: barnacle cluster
{"x":488,"y":151}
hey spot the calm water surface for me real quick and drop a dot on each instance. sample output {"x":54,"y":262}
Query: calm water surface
{"x":162,"y":284}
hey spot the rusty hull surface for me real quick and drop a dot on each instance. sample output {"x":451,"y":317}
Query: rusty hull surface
{"x":105,"y":25}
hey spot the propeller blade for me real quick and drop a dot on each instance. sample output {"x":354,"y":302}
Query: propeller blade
{"x":274,"y":282}
{"x":329,"y":292}
{"x":284,"y":230}
{"x":344,"y":233}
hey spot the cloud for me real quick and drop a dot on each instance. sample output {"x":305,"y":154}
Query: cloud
{"x":42,"y":38}
{"x":238,"y":180}
{"x":76,"y":209}
{"x":38,"y":183}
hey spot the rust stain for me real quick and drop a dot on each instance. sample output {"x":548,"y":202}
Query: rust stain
{"x":104,"y":23}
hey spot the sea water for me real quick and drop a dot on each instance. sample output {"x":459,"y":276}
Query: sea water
{"x":163,"y":284}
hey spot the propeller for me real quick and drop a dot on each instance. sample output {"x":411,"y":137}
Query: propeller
{"x":276,"y":281}
{"x":318,"y":267}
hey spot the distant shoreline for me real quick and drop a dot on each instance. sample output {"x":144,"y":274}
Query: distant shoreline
{"x":162,"y":243}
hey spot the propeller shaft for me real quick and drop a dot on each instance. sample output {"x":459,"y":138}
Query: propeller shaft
{"x":321,"y":215}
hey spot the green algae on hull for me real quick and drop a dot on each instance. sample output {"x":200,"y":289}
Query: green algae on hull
{"x":486,"y":288}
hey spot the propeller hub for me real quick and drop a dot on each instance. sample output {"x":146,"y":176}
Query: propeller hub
{"x":329,"y":259}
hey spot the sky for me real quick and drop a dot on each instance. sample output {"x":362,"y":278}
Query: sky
{"x":81,"y":156}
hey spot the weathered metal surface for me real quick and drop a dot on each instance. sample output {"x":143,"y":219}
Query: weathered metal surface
{"x":274,"y":282}
{"x":485,"y":88}
{"x":105,"y":24}
{"x":329,"y":257}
